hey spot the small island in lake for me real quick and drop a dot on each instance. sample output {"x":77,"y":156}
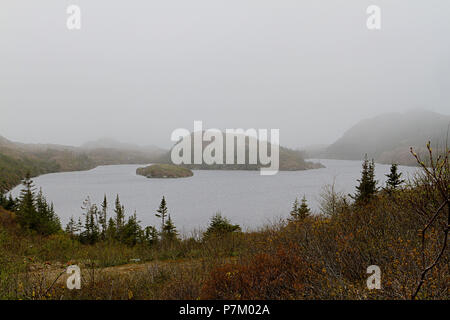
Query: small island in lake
{"x":164,"y":171}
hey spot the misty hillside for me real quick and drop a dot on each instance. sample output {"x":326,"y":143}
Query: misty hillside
{"x":16,"y":159}
{"x":107,"y":143}
{"x":388,"y":137}
{"x":289,"y":160}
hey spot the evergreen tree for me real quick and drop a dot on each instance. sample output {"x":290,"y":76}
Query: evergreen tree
{"x":41,"y":204}
{"x":220,"y":226}
{"x":119,"y":219}
{"x":304,"y":210}
{"x":151,"y":235}
{"x":103,"y":218}
{"x":54,"y":217}
{"x":169,"y":231}
{"x":295,"y":207}
{"x":33,"y":211}
{"x":71,"y":227}
{"x":132,"y":231}
{"x":111,"y":230}
{"x":48,"y":220}
{"x":7,"y":203}
{"x":11,"y":203}
{"x":91,"y":231}
{"x":299,"y":213}
{"x":394,"y":179}
{"x":162,"y":211}
{"x":26,"y":211}
{"x":79,"y":226}
{"x":367,"y":187}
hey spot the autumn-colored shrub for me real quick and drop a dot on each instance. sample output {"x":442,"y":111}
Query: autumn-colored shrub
{"x":278,"y":275}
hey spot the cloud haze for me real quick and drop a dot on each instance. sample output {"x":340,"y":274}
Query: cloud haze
{"x":139,"y":69}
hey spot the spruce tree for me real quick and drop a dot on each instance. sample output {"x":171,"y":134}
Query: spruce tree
{"x":304,"y":210}
{"x":54,"y":217}
{"x":151,"y":235}
{"x":367,"y":187}
{"x":295,"y":207}
{"x":111,"y":230}
{"x":162,"y":211}
{"x":42,"y":213}
{"x":11,"y":203}
{"x":7,"y":202}
{"x":41,"y":204}
{"x":132,"y":231}
{"x":71,"y":227}
{"x":79,"y":226}
{"x":299,"y":213}
{"x":103,"y":218}
{"x":26,"y":211}
{"x":91,"y":228}
{"x":119,"y":219}
{"x":220,"y":226}
{"x":394,"y":179}
{"x":169,"y":231}
{"x":33,"y":211}
{"x":48,"y":220}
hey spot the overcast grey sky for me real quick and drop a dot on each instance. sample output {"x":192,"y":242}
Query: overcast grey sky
{"x":138,"y":69}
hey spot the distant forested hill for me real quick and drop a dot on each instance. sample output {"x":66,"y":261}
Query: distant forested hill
{"x":16,"y":159}
{"x":290,"y":160}
{"x":388,"y":137}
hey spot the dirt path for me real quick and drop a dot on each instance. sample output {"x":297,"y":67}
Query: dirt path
{"x":57,"y":273}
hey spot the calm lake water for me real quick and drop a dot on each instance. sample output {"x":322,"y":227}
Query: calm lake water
{"x":245,"y":197}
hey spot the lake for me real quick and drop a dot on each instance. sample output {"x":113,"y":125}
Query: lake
{"x":245,"y":197}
